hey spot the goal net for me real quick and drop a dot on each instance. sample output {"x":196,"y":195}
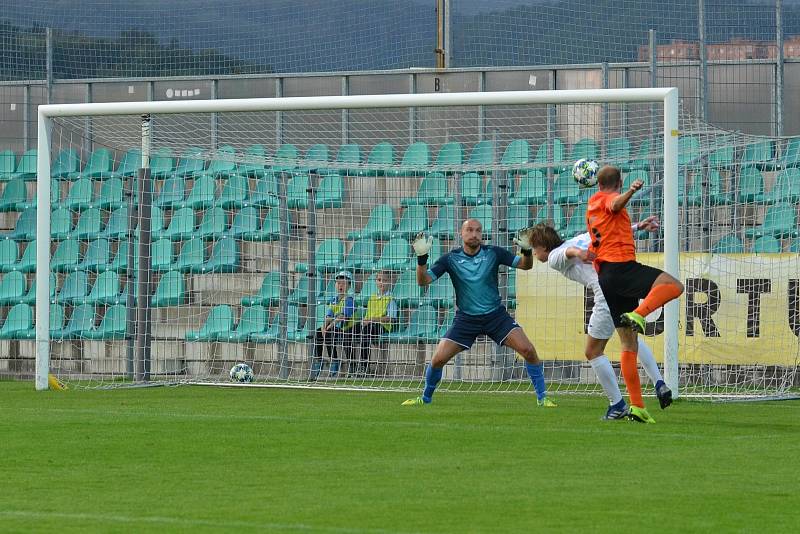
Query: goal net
{"x":186,"y":237}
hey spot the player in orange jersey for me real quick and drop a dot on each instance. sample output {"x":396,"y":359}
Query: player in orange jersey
{"x":624,"y":280}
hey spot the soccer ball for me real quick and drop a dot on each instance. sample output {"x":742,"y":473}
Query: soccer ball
{"x":241,"y":372}
{"x":585,"y":172}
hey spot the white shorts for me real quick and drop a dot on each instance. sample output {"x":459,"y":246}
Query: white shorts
{"x":601,"y":325}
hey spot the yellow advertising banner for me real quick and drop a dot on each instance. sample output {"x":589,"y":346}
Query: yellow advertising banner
{"x":737,"y":309}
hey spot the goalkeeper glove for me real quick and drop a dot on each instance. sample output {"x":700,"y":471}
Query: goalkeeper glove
{"x":422,"y":246}
{"x":523,"y":241}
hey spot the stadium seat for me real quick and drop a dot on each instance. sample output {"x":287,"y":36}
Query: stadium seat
{"x":66,"y":256}
{"x":65,"y":164}
{"x":224,"y":258}
{"x":780,"y":222}
{"x":117,"y":226}
{"x":444,"y":226}
{"x":449,"y":317}
{"x":641,"y":197}
{"x":450,"y":155}
{"x":81,"y":320}
{"x":688,"y":150}
{"x":8,"y":164}
{"x":422,"y":324}
{"x":30,"y":296}
{"x":406,"y":291}
{"x":285,"y":158}
{"x":235,"y":192}
{"x":181,"y":226}
{"x":18,"y":320}
{"x":532,"y":190}
{"x":484,"y":215}
{"x":111,"y":197}
{"x":190,"y":259}
{"x":729,"y":244}
{"x":269,"y":230}
{"x":299,"y":295}
{"x":156,"y":222}
{"x":170,"y":291}
{"x":395,"y":255}
{"x":12,"y":288}
{"x":511,"y":290}
{"x":254,"y":167}
{"x":79,"y":196}
{"x":26,"y":264}
{"x":473,"y":189}
{"x":128,"y":166}
{"x":272,"y":332}
{"x":722,"y":157}
{"x":551,"y":154}
{"x":60,"y":224}
{"x":329,"y":192}
{"x":415,"y":159}
{"x":120,"y":261}
{"x":441,"y":293}
{"x":717,"y":194}
{"x":379,"y":226}
{"x":566,"y":190}
{"x":361,"y":256}
{"x":766,"y":244}
{"x":381,"y":154}
{"x":265,"y":193}
{"x":516,"y":154}
{"x":106,"y":290}
{"x":413,"y":220}
{"x":15,"y":196}
{"x":269,"y":294}
{"x":316,"y":158}
{"x":618,"y":153}
{"x":219,"y":320}
{"x":74,"y":289}
{"x":786,"y":187}
{"x":519,"y":218}
{"x":252,"y":321}
{"x":349,"y":154}
{"x":89,"y":225}
{"x":297,"y":191}
{"x":98,"y":165}
{"x":97,"y":257}
{"x":751,"y":186}
{"x":760,"y":155}
{"x":213,"y":224}
{"x":692,"y":197}
{"x":245,"y":221}
{"x":794,"y":246}
{"x":161,"y":254}
{"x":26,"y":167}
{"x":585,"y":148}
{"x":9,"y":254}
{"x":328,"y":258}
{"x":432,"y":191}
{"x":482,"y":155}
{"x":202,"y":195}
{"x":222,"y":166}
{"x":112,"y":326}
{"x":644,"y":158}
{"x":190,"y":163}
{"x":576,"y":224}
{"x":368,"y":288}
{"x":162,"y":163}
{"x":305,"y":333}
{"x":172,"y":193}
{"x":791,"y":154}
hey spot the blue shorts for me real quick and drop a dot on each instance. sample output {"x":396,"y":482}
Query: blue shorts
{"x":466,"y":328}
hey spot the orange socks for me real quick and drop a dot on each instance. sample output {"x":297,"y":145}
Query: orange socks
{"x":630,"y":373}
{"x":658,"y":296}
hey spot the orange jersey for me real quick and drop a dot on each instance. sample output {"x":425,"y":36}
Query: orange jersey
{"x":612,"y":239}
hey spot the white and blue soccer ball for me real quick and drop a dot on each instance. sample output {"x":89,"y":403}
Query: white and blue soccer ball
{"x":584,"y":171}
{"x":241,"y":372}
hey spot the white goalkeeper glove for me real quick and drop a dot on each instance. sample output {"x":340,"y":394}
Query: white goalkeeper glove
{"x":422,"y":246}
{"x":523,"y":241}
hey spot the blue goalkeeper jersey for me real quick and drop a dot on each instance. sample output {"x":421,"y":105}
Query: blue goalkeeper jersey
{"x":474,"y":277}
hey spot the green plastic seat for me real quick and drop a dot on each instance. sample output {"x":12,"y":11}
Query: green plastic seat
{"x":12,"y":288}
{"x":450,"y":155}
{"x":482,"y":155}
{"x":120,"y":262}
{"x":181,"y":226}
{"x":170,"y":291}
{"x":444,"y":226}
{"x":519,"y":218}
{"x":722,"y":157}
{"x":269,"y":293}
{"x":786,"y":188}
{"x":566,"y":190}
{"x":97,"y":166}
{"x":330,"y":192}
{"x":89,"y":225}
{"x":511,"y":289}
{"x":235,"y":192}
{"x":26,"y":167}
{"x":641,"y":197}
{"x":315,"y":159}
{"x":272,"y":333}
{"x":645,"y":156}
{"x":689,"y":194}
{"x":299,"y":295}
{"x":432,"y":191}
{"x":97,"y":257}
{"x":162,"y":163}
{"x":224,"y":258}
{"x":66,"y":256}
{"x":112,"y":326}
{"x":791,"y":154}
{"x":18,"y":320}
{"x":223,"y":164}
{"x":8,"y":164}
{"x":65,"y":163}
{"x":269,"y":229}
{"x":202,"y":195}
{"x":117,"y":226}
{"x":156,"y":222}
{"x":395,"y":255}
{"x":172,"y":193}
{"x":406,"y":291}
{"x":30,"y":296}
{"x":349,"y":154}
{"x":368,"y":288}
{"x":688,"y":150}
{"x":190,"y":163}
{"x":381,"y":154}
{"x":265,"y":193}
{"x":441,"y":294}
{"x":751,"y":186}
{"x":445,"y":325}
{"x":760,"y":155}
{"x":253,"y":166}
{"x":717,"y":194}
{"x":81,"y":320}
{"x":473,"y":189}
{"x":128,"y":166}
{"x":361,"y":256}
{"x":10,"y":249}
{"x":191,"y":257}
{"x":79,"y":196}
{"x":413,"y":220}
{"x":766,"y":244}
{"x":285,"y":158}
{"x":74,"y":289}
{"x":484,"y":215}
{"x":379,"y":226}
{"x":297,"y":191}
{"x":106,"y":289}
{"x":618,"y":153}
{"x":329,"y":256}
{"x":415,"y":159}
{"x":9,"y":254}
{"x":794,"y":246}
{"x":576,"y":224}
{"x":585,"y":148}
{"x":551,"y":154}
{"x":532,"y":190}
{"x":15,"y":196}
{"x":252,"y":321}
{"x":213,"y":224}
{"x":162,"y":254}
{"x":245,"y":221}
{"x":423,"y":323}
{"x":780,"y":222}
{"x":111,"y":197}
{"x":729,"y":244}
{"x":60,"y":224}
{"x":516,"y":154}
{"x":219,"y":321}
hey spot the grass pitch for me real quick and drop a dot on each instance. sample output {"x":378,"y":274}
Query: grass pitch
{"x":210,"y":459}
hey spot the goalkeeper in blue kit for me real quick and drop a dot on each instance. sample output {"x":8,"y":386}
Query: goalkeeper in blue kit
{"x":473,"y":272}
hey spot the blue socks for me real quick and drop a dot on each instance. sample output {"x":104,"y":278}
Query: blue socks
{"x":536,"y":374}
{"x":432,"y":378}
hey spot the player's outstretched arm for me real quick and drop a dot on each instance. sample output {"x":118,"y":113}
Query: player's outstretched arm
{"x":523,"y":241}
{"x":422,"y":246}
{"x":619,"y":203}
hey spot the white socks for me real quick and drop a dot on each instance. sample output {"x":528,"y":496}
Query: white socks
{"x":605,"y":374}
{"x":648,"y":361}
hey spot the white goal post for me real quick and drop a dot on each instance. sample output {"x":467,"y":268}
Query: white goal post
{"x":666,"y":97}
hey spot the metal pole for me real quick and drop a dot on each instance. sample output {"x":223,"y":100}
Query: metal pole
{"x":551,"y":135}
{"x":701,"y":30}
{"x":671,"y":236}
{"x":88,"y":122}
{"x":278,"y":114}
{"x":26,"y":117}
{"x":447,"y":35}
{"x":439,"y":50}
{"x":412,"y":115}
{"x":49,"y":63}
{"x":605,"y":118}
{"x":481,"y":109}
{"x":779,"y":68}
{"x":214,"y":116}
{"x":345,"y":112}
{"x":311,"y":273}
{"x":141,"y":365}
{"x":43,"y":252}
{"x":283,"y":305}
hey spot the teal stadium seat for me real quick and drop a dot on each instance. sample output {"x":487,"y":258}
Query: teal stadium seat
{"x":18,"y":320}
{"x":729,"y":244}
{"x":413,"y":220}
{"x":12,"y":288}
{"x":111,"y":196}
{"x":60,"y":224}
{"x":328,"y":257}
{"x":172,"y":192}
{"x":181,"y":226}
{"x":223,"y":164}
{"x":252,"y":321}
{"x":106,"y":290}
{"x":361,"y":256}
{"x":26,"y":167}
{"x":79,"y":196}
{"x":422,"y":325}
{"x":30,"y":296}
{"x":473,"y":189}
{"x":432,"y":191}
{"x":98,"y":166}
{"x":97,"y":257}
{"x":444,"y":226}
{"x":219,"y":321}
{"x":191,"y":257}
{"x":285,"y":158}
{"x":552,"y":155}
{"x":395,"y":255}
{"x":8,"y":164}
{"x":761,"y":155}
{"x":235,"y":192}
{"x":532,"y":190}
{"x":482,"y":155}
{"x":269,"y":229}
{"x":213,"y":224}
{"x":316,"y":158}
{"x":112,"y":325}
{"x":406,"y":291}
{"x":791,"y":154}
{"x":26,"y":264}
{"x":415,"y":160}
{"x":66,"y":256}
{"x":349,"y":154}
{"x":450,"y":157}
{"x":190,"y":163}
{"x":128,"y":165}
{"x":786,"y":188}
{"x":516,"y":154}
{"x":297,"y":191}
{"x":380,"y":224}
{"x":224,"y":258}
{"x":766,"y":244}
{"x":269,"y":294}
{"x":9,"y":254}
{"x":15,"y":196}
{"x":330,"y":192}
{"x":253,"y":164}
{"x":65,"y":164}
{"x":780,"y":222}
{"x":170,"y":291}
{"x":381,"y":154}
{"x":618,"y":153}
{"x":245,"y":221}
{"x":751,"y":186}
{"x":484,"y":215}
{"x":202,"y":195}
{"x":89,"y":225}
{"x":74,"y":289}
{"x":117,"y":225}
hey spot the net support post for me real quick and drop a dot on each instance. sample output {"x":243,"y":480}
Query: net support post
{"x":671,"y":236}
{"x":43,"y":253}
{"x":141,"y":366}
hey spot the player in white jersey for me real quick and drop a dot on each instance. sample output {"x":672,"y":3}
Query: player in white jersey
{"x":570,"y":259}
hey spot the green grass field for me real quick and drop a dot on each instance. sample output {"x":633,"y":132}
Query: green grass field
{"x":209,"y":459}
